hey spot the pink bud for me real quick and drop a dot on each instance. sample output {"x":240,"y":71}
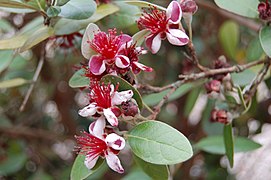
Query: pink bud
{"x":189,"y":6}
{"x":129,"y":108}
{"x":213,"y":86}
{"x":220,"y":116}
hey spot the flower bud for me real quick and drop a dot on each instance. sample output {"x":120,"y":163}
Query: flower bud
{"x":264,"y":10}
{"x":129,"y":108}
{"x":220,"y":116}
{"x":213,"y":86}
{"x":189,"y":6}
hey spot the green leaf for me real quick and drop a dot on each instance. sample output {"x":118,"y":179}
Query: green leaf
{"x":37,"y":37}
{"x":247,"y":8}
{"x":144,"y":4}
{"x":215,"y":145}
{"x":158,"y":172}
{"x":79,"y":80}
{"x":15,"y":4}
{"x":254,"y":50}
{"x":124,"y":85}
{"x":229,"y":38}
{"x":265,"y":39}
{"x":136,"y":174}
{"x":6,"y":59}
{"x":158,"y":143}
{"x":139,"y":37}
{"x":228,"y":142}
{"x":53,"y":11}
{"x":68,"y":26}
{"x":13,"y":83}
{"x":191,"y":100}
{"x":243,"y":78}
{"x":80,"y":171}
{"x":78,"y":9}
{"x":155,"y":98}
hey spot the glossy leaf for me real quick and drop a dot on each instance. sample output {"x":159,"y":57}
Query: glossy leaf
{"x":159,"y":172}
{"x":243,"y":78}
{"x":155,"y":98}
{"x":254,"y":50}
{"x":13,"y":83}
{"x":215,"y":145}
{"x":78,"y":9}
{"x":144,"y":4}
{"x":79,"y":80}
{"x":247,"y":8}
{"x":139,"y":37}
{"x":228,"y":142}
{"x":229,"y":38}
{"x":265,"y":39}
{"x":80,"y":171}
{"x":136,"y":174}
{"x":37,"y":37}
{"x":158,"y":143}
{"x":124,"y":85}
{"x":68,"y":26}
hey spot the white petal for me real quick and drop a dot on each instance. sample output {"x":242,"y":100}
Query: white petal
{"x":90,"y":161}
{"x":174,"y":12}
{"x":87,"y":111}
{"x":178,"y":33}
{"x":120,"y":97}
{"x":122,"y":61}
{"x":114,"y":162}
{"x":88,"y":36}
{"x":96,"y":65}
{"x":176,"y":40}
{"x":156,"y":44}
{"x":143,"y":67}
{"x":115,"y":141}
{"x":111,"y":117}
{"x":97,"y":127}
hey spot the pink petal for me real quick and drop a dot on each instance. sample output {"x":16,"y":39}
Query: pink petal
{"x":122,"y":61}
{"x":154,"y":43}
{"x":120,"y":97}
{"x":177,"y":37}
{"x":90,"y":161}
{"x":174,"y":12}
{"x":114,"y":162}
{"x":111,"y":117}
{"x":96,"y":65}
{"x":97,"y":127}
{"x":91,"y":30}
{"x":142,"y":67}
{"x":115,"y":141}
{"x":125,"y":38}
{"x":87,"y":111}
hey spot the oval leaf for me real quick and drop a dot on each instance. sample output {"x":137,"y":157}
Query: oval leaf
{"x":53,"y":11}
{"x":265,"y":39}
{"x":215,"y":145}
{"x":247,"y":8}
{"x":13,"y":83}
{"x":80,"y":171}
{"x":139,"y":37}
{"x":6,"y":59}
{"x":159,"y":143}
{"x":68,"y":26}
{"x":228,"y":141}
{"x":254,"y":50}
{"x":158,"y":172}
{"x":91,"y":30}
{"x":78,"y":9}
{"x":124,"y":85}
{"x":79,"y":80}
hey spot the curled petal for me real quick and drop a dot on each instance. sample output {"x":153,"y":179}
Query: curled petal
{"x":174,"y":12}
{"x":114,"y":162}
{"x":96,"y":65}
{"x":97,"y":127}
{"x":177,"y":37}
{"x":120,"y":97}
{"x":153,"y":42}
{"x":111,"y":117}
{"x":122,"y":61}
{"x":90,"y":161}
{"x":91,"y":30}
{"x":115,"y":141}
{"x":142,"y":67}
{"x":87,"y":111}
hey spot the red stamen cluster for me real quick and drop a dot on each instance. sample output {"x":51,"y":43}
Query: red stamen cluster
{"x":264,"y":9}
{"x":100,"y":94}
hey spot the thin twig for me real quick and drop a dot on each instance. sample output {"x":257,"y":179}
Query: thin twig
{"x":194,"y":57}
{"x":34,"y":80}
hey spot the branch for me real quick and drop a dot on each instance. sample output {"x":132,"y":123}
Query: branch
{"x":194,"y":57}
{"x":34,"y":80}
{"x":251,"y":24}
{"x":212,"y":72}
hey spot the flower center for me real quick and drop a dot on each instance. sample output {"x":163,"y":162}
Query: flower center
{"x":106,"y":44}
{"x":155,"y":20}
{"x":90,"y":145}
{"x":100,"y":94}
